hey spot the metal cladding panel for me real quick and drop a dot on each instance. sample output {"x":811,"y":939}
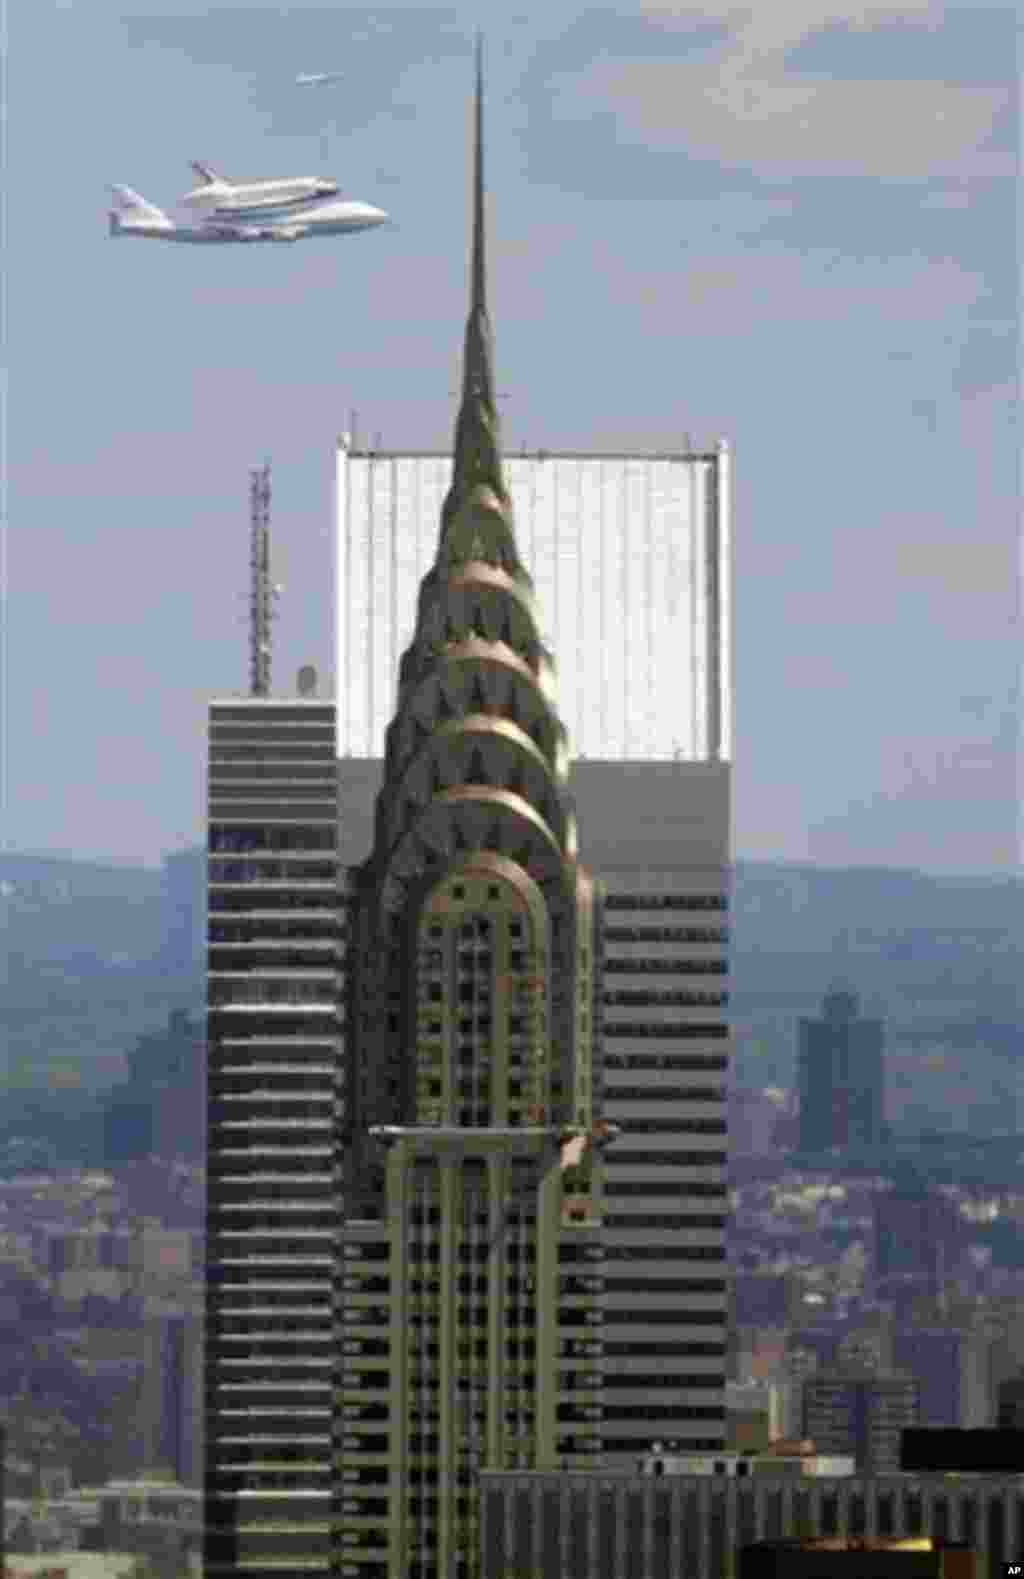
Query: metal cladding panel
{"x":629,"y":557}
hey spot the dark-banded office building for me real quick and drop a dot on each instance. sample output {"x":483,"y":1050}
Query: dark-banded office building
{"x":275,"y":935}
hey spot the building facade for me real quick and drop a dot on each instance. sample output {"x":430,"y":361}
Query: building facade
{"x":862,"y":1413}
{"x":840,"y":1075}
{"x":918,"y":1239}
{"x":1010,"y":1404}
{"x":170,"y":1409}
{"x":470,"y":1295}
{"x":631,"y":560}
{"x":274,"y":992}
{"x":656,"y":830}
{"x":618,"y":1526}
{"x":950,"y":1365}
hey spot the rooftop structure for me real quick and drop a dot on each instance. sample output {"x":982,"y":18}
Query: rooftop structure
{"x":616,"y":1526}
{"x":629,"y":556}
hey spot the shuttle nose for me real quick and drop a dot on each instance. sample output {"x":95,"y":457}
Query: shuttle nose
{"x":327,"y":188}
{"x":374,"y":216}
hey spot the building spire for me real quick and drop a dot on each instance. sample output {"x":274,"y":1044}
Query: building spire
{"x":477,"y":458}
{"x":479,"y":284}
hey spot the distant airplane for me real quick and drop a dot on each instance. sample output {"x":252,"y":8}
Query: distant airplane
{"x":284,"y":210}
{"x":316,"y":79}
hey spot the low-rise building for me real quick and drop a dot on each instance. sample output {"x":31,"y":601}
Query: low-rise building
{"x":153,"y":1518}
{"x":755,"y":1414}
{"x":597,"y":1525}
{"x":781,"y":1459}
{"x":72,"y":1564}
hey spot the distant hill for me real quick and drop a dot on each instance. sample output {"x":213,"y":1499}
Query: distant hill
{"x":81,"y":968}
{"x":60,"y":910}
{"x":939,"y":958}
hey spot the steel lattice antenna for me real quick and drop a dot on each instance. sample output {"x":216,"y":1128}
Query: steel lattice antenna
{"x":261,"y":611}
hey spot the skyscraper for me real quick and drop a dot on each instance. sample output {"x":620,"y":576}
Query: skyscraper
{"x":630,"y":557}
{"x":170,"y":1394}
{"x":950,"y":1367}
{"x":840,"y":1074}
{"x":918,"y":1240}
{"x":470,"y":1296}
{"x":273,"y":1056}
{"x":861,"y":1412}
{"x":650,"y":687}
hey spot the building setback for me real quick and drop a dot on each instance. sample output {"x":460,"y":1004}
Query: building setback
{"x":663,"y":864}
{"x":275,"y":934}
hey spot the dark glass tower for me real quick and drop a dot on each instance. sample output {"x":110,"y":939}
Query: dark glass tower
{"x":840,"y":1075}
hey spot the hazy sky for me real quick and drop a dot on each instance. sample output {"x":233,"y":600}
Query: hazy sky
{"x":792,"y":226}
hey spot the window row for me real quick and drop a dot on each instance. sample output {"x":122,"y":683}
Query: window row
{"x":666,"y":1220}
{"x":678,"y":1063}
{"x":665,"y":967}
{"x":661,"y":1094}
{"x":693,"y":1351}
{"x":243,"y":841}
{"x":619,"y":1160}
{"x":640,"y":934}
{"x":665,"y":902}
{"x":660,"y":1380}
{"x":328,"y":902}
{"x":677,"y":998}
{"x":274,"y":932}
{"x":222,"y":994}
{"x":271,"y":871}
{"x":663,"y":1253}
{"x":674,"y":1030}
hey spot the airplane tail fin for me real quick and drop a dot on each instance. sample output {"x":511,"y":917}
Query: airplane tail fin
{"x":132,"y":212}
{"x":207,"y":175}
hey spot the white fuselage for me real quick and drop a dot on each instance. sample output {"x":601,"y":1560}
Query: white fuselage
{"x":259,"y":198}
{"x":254,"y":211}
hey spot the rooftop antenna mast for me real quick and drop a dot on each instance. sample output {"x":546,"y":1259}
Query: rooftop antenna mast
{"x":263,"y":592}
{"x":6,"y":839}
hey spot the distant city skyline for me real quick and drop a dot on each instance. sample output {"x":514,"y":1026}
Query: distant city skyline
{"x":791,"y":228}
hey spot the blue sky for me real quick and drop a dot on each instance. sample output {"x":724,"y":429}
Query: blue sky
{"x":792,"y":226}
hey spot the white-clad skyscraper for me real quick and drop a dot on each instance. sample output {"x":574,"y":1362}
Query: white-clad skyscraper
{"x":629,"y":556}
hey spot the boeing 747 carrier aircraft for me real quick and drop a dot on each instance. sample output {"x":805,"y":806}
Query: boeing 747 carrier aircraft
{"x":284,"y":210}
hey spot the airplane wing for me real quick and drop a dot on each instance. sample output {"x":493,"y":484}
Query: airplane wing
{"x":217,"y":227}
